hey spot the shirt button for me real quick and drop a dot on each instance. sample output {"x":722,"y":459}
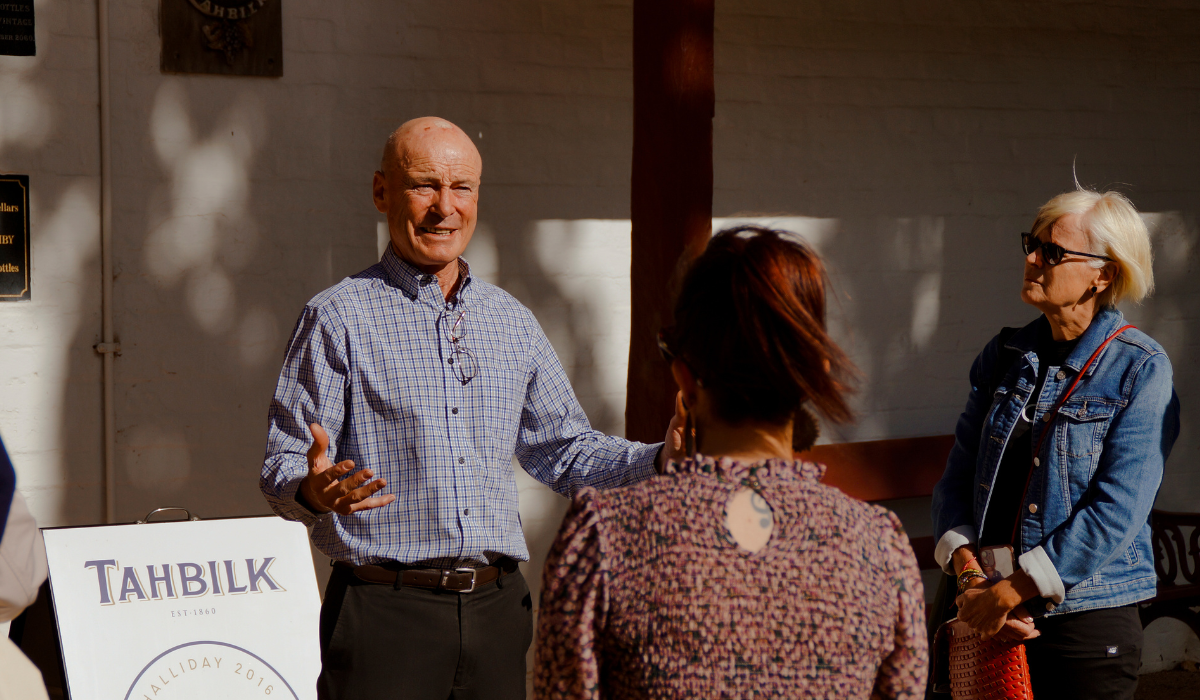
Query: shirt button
{"x":1037,"y":462}
{"x":1032,"y":507}
{"x":462,"y":460}
{"x":1061,"y":375}
{"x":466,"y":511}
{"x":450,"y":361}
{"x":454,"y":410}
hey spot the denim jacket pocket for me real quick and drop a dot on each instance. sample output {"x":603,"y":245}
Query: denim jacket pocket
{"x":1084,"y":425}
{"x":1087,"y":421}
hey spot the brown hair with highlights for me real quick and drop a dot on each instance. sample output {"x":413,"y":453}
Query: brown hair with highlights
{"x":750,"y":324}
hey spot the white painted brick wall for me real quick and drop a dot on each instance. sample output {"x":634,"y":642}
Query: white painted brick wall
{"x":929,"y":134}
{"x":921,"y":138}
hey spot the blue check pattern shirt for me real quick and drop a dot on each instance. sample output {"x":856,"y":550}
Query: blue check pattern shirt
{"x":372,"y":360}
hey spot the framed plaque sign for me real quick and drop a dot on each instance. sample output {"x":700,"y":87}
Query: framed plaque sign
{"x":14,"y":238}
{"x":16,"y":28}
{"x":228,"y":37}
{"x":223,"y":609}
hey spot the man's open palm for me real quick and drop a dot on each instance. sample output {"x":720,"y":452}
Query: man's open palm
{"x":326,"y":491}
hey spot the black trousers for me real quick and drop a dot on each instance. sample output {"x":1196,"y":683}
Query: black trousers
{"x":1090,"y":655}
{"x":412,"y":643}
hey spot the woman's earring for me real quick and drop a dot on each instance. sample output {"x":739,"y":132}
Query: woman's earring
{"x":1093,"y":291}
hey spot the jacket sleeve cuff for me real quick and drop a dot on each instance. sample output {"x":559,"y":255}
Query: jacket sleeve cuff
{"x":1036,"y":564}
{"x":952,"y":540}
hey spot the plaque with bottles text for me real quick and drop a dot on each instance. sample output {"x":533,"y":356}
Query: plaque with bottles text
{"x":14,"y":238}
{"x":16,"y":28}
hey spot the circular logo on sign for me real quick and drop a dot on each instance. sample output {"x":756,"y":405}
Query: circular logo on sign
{"x":228,"y":9}
{"x":209,"y":670}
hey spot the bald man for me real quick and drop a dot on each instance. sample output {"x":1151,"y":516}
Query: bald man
{"x":406,"y":392}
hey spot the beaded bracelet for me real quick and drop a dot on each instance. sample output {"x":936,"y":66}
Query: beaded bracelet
{"x":966,"y":577}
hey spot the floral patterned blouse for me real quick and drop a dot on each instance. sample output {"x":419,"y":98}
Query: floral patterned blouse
{"x":646,"y":595}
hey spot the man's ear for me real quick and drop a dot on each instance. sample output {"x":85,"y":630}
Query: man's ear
{"x":379,"y":192}
{"x":686,"y":382}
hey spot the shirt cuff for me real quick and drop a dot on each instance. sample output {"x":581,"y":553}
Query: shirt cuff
{"x":292,"y":506}
{"x":643,"y":464}
{"x":943,"y":554}
{"x":1036,"y":564}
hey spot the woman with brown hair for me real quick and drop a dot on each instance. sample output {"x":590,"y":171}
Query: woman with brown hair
{"x":736,"y":573}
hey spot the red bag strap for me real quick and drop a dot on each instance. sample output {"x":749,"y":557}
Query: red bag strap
{"x":1051,"y":415}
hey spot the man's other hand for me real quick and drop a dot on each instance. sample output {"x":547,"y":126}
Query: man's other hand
{"x":674,"y":444}
{"x":325,"y":490}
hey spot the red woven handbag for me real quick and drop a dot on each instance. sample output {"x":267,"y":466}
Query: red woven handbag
{"x":991,"y":670}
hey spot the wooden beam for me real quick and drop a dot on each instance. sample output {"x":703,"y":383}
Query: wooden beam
{"x":671,"y":205}
{"x":880,"y":470}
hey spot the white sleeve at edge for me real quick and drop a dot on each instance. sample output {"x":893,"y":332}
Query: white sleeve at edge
{"x":1036,"y":563}
{"x":22,"y":560}
{"x":952,"y":540}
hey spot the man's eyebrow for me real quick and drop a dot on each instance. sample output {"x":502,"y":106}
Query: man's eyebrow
{"x":435,"y":179}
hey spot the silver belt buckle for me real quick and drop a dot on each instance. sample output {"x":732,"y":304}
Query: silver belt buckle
{"x":463,"y":570}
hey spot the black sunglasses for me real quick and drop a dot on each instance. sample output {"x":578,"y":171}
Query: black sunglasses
{"x":1052,"y":253}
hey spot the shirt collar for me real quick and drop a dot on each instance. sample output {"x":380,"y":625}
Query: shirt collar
{"x":727,"y":469}
{"x":417,"y":284}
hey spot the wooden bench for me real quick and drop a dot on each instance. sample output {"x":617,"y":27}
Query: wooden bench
{"x":882,"y":470}
{"x":1175,"y":556}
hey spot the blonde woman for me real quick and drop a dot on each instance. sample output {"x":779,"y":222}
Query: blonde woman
{"x":1059,"y":454}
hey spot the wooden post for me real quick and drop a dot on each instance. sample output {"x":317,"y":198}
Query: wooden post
{"x":671,"y":208}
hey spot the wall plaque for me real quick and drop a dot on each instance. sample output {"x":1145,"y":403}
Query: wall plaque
{"x":16,"y":28}
{"x":14,"y":238}
{"x":227,"y":37}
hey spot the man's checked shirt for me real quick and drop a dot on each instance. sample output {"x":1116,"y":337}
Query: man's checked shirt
{"x":371,"y":361}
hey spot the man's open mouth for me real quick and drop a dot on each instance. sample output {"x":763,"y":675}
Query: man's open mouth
{"x":436,"y":231}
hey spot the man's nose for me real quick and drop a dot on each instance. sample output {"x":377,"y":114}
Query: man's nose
{"x":444,"y":204}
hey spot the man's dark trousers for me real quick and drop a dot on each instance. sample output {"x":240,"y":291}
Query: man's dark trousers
{"x":379,"y":642}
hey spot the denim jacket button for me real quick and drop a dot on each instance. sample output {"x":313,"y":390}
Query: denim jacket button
{"x":1032,"y":507}
{"x":1049,"y":606}
{"x":1037,"y":462}
{"x":1061,"y":375}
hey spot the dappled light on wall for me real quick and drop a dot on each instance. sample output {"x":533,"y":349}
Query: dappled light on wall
{"x":202,"y":234}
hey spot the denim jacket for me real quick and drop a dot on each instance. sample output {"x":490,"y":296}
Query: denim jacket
{"x":1084,"y":524}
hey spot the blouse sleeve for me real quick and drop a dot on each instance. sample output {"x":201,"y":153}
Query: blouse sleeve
{"x":574,"y":607}
{"x":902,"y":673}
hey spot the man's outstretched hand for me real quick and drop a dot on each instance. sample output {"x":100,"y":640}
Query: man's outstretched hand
{"x":325,"y":492}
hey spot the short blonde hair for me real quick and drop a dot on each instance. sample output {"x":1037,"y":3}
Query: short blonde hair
{"x":1115,"y":230}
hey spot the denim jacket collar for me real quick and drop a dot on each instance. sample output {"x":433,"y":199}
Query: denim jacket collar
{"x":1103,"y":324}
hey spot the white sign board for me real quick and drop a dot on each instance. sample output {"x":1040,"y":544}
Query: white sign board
{"x":180,"y":610}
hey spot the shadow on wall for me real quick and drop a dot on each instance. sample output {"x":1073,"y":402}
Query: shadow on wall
{"x":49,"y":390}
{"x":1172,"y":317}
{"x":190,"y":309}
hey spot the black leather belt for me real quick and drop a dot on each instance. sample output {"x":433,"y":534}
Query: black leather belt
{"x":458,"y":580}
